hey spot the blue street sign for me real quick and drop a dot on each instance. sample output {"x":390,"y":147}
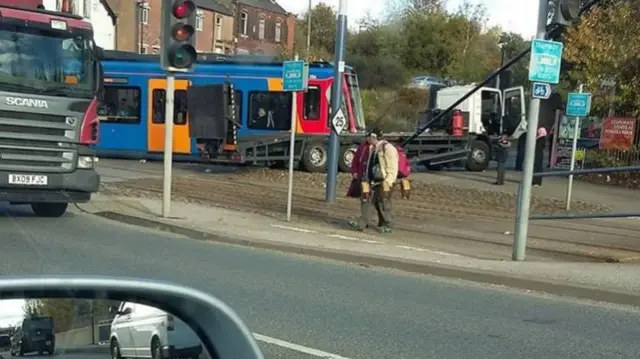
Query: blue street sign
{"x":578,"y":104}
{"x":541,"y":90}
{"x":544,"y":65}
{"x":295,"y":76}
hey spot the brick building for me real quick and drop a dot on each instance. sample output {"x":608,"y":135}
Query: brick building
{"x":261,"y":26}
{"x":138,"y":26}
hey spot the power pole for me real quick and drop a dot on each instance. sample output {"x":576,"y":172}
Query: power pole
{"x":309,"y":30}
{"x":524,"y":197}
{"x":336,"y":101}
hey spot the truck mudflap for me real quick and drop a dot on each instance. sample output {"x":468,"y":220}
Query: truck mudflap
{"x":22,"y":188}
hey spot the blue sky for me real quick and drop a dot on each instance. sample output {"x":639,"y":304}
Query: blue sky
{"x":513,"y":15}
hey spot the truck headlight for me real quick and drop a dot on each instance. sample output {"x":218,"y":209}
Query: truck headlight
{"x":86,"y":161}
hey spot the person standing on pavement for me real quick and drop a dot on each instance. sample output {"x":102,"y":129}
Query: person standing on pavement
{"x":377,"y":170}
{"x":502,"y":152}
{"x":541,"y":140}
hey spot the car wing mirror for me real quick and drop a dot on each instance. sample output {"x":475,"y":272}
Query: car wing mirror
{"x":215,"y":327}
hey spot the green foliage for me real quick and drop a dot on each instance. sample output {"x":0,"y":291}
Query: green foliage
{"x":606,"y":44}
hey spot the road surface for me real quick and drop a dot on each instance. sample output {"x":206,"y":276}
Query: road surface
{"x":298,"y":303}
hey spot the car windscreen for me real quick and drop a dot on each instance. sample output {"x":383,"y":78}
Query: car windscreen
{"x":38,"y":323}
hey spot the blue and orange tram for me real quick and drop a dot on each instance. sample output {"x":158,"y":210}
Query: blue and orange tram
{"x":132,"y":113}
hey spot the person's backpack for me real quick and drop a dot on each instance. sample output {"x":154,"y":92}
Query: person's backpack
{"x":404,"y":166}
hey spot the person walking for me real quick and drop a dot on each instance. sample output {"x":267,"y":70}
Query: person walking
{"x":502,"y":152}
{"x":541,"y":140}
{"x":376,"y":167}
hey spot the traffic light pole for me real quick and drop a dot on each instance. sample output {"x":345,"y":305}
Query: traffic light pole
{"x":336,"y":101}
{"x":524,"y":195}
{"x":168,"y":145}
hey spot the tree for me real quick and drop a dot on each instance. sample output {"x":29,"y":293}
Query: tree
{"x":512,"y":45}
{"x":32,"y":308}
{"x":606,"y":44}
{"x":323,"y":31}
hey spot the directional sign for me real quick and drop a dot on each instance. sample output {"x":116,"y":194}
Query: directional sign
{"x":295,"y":76}
{"x":578,"y":104}
{"x":339,"y":122}
{"x":541,"y":90}
{"x":544,"y":65}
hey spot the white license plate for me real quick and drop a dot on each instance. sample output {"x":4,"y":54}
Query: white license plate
{"x":28,"y":180}
{"x":48,"y":342}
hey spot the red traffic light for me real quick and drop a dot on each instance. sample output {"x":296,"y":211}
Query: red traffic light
{"x":182,"y":32}
{"x":182,"y":9}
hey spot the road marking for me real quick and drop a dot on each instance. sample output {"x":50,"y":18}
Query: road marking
{"x":353,"y":239}
{"x":293,"y":228}
{"x":427,"y":250}
{"x":296,"y":347}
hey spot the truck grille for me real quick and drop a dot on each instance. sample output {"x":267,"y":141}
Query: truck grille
{"x":37,"y":142}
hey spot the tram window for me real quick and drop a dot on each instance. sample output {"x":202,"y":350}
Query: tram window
{"x":179,"y":107}
{"x":120,"y":105}
{"x":270,"y":110}
{"x":312,"y":104}
{"x":238,"y":101}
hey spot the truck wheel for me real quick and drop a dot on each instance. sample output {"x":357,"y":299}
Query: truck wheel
{"x":479,"y":156}
{"x":315,"y":158}
{"x":49,"y":209}
{"x":347,"y":153}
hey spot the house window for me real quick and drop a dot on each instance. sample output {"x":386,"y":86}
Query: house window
{"x":144,"y":49}
{"x":121,"y":104}
{"x":278,"y":31}
{"x":200,"y":20}
{"x":270,"y":110}
{"x":179,"y":107}
{"x":312,"y":104}
{"x":244,"y":22}
{"x":143,"y":14}
{"x":261,"y":28}
{"x":218,"y":28}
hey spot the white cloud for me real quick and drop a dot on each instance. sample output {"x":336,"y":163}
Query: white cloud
{"x":519,"y":16}
{"x":11,"y":311}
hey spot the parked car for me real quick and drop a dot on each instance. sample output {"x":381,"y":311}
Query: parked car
{"x":426,"y":81}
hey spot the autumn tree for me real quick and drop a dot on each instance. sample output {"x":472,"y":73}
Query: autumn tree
{"x":606,"y":44}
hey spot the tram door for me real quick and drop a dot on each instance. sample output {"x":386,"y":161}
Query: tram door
{"x":156,"y":116}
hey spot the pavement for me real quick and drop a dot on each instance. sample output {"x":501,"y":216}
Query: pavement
{"x":305,"y":307}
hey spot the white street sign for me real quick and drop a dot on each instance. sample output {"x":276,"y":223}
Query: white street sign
{"x":339,"y":122}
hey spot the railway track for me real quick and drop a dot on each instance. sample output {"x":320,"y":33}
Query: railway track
{"x":432,"y":217}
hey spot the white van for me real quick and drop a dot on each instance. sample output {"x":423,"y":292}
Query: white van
{"x":141,"y":331}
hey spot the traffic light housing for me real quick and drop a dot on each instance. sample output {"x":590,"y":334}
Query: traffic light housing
{"x":566,"y":12}
{"x":178,"y":35}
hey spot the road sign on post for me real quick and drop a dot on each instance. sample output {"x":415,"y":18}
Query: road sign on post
{"x":295,"y":78}
{"x":339,"y":122}
{"x":578,"y":104}
{"x":541,"y":90}
{"x":546,"y":58}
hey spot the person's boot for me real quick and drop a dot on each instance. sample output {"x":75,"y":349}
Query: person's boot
{"x":355,"y":225}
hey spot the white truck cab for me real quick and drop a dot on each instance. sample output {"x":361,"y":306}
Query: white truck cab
{"x":488,"y":111}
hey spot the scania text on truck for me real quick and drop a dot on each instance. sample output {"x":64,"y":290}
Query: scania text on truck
{"x":50,"y":82}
